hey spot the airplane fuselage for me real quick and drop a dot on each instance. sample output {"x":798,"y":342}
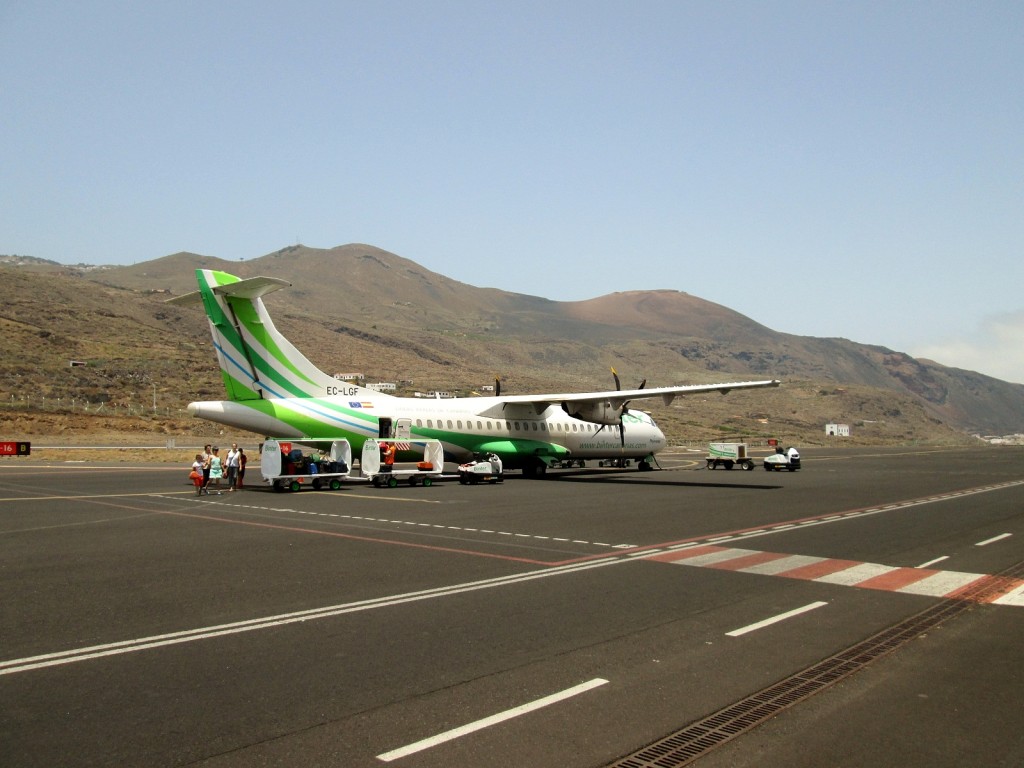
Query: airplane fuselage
{"x":465,"y":426}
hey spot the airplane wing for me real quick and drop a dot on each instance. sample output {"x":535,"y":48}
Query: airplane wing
{"x":616,"y":398}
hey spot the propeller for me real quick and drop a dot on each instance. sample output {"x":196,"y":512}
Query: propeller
{"x":623,"y":410}
{"x":497,"y":386}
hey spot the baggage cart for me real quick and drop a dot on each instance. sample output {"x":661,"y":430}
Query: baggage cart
{"x":729,"y":455}
{"x":422,"y":472}
{"x":286,"y":467}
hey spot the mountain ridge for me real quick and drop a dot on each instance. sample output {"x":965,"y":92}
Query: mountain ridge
{"x":358,"y":305}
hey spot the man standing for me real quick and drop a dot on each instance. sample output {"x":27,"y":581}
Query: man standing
{"x":233,"y":464}
{"x":389,"y":456}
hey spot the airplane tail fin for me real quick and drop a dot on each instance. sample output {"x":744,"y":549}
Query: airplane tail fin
{"x":256,"y":361}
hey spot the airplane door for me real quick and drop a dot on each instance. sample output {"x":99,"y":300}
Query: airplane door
{"x":403,"y":429}
{"x":384,"y":427}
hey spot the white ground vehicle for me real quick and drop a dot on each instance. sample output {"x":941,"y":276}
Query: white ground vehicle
{"x":484,"y":469}
{"x":780,"y":460}
{"x":285,"y":467}
{"x":423,"y":472}
{"x":729,"y":455}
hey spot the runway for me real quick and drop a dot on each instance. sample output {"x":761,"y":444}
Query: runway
{"x":571,"y":621}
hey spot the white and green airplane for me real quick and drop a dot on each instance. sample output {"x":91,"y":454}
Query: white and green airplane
{"x":275,"y":391}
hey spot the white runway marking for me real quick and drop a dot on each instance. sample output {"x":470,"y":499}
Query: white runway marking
{"x":993,"y":540}
{"x":1016,"y":597}
{"x":418,"y":524}
{"x":501,"y":717}
{"x":775,"y":619}
{"x":204,"y":633}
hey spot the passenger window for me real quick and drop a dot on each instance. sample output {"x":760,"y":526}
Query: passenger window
{"x":459,"y":423}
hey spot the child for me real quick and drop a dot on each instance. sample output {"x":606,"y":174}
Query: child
{"x":196,"y":475}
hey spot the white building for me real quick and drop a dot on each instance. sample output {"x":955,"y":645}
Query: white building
{"x":837,"y":430}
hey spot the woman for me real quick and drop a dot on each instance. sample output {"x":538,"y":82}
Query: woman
{"x":216,"y":470}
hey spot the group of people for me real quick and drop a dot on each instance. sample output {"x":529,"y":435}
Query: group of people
{"x":209,"y":469}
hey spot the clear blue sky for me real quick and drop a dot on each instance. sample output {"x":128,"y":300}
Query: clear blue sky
{"x":849,"y":169}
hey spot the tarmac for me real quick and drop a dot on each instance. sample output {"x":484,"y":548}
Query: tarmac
{"x":570,"y":621}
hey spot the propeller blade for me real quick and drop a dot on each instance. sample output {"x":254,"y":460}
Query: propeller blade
{"x":616,"y":376}
{"x":497,"y":386}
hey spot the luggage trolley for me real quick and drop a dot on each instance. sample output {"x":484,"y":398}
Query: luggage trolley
{"x":729,"y":455}
{"x":424,"y":472}
{"x":284,"y":466}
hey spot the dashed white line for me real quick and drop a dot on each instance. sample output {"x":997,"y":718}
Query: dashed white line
{"x":364,"y":519}
{"x":775,"y":619}
{"x":993,"y":540}
{"x":486,"y":722}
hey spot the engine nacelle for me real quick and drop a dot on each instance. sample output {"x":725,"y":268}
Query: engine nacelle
{"x":600,"y":412}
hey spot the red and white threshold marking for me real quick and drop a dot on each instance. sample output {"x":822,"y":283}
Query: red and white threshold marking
{"x":912,"y":581}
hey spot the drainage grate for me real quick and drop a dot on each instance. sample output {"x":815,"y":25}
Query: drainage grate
{"x":704,"y":735}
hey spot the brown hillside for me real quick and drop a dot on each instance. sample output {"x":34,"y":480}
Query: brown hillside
{"x":669,"y":313}
{"x":358,"y":308}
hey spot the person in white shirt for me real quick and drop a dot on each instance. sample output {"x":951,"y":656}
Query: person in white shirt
{"x":233,"y":463}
